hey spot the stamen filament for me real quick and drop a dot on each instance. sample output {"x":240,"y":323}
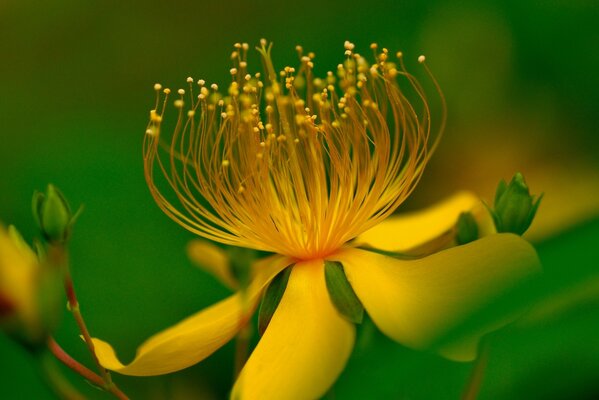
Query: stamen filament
{"x":288,"y":165}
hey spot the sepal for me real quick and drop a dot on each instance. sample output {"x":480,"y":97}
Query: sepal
{"x":271,"y":298}
{"x":341,"y":293}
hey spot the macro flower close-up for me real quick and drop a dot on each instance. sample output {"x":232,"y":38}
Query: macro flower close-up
{"x":308,"y":168}
{"x":328,"y":200}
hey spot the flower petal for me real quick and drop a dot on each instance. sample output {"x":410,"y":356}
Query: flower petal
{"x":406,"y":231}
{"x":19,"y":273}
{"x":198,"y":336}
{"x":418,"y":302}
{"x":213,"y":260}
{"x":305,"y":346}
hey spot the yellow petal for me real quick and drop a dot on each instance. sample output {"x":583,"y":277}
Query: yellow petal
{"x":403,"y":232}
{"x":418,"y":302}
{"x":213,"y":260}
{"x":305,"y":346}
{"x":198,"y":336}
{"x":571,"y":197}
{"x":19,"y":271}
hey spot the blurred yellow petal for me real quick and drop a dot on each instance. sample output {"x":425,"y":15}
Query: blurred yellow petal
{"x":418,"y":302}
{"x":403,"y":232}
{"x":198,"y":336}
{"x":213,"y":260}
{"x":305,"y":346}
{"x":19,"y":271}
{"x":571,"y":197}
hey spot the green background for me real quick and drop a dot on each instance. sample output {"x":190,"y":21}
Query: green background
{"x":522,"y":87}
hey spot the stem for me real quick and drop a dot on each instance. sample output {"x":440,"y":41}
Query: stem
{"x":82,"y":370}
{"x":56,"y":380}
{"x":59,"y":257}
{"x":73,"y":364}
{"x":74,"y":307}
{"x":476,"y":376}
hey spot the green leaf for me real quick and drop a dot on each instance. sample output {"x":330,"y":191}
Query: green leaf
{"x":272,"y":297}
{"x":341,"y":293}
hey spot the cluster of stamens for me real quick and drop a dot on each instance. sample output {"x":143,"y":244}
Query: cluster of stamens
{"x":289,"y":162}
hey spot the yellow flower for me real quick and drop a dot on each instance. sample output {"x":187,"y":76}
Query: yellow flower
{"x":28,"y":297}
{"x":301,"y":166}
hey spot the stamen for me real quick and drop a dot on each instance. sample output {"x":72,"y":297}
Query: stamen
{"x":292,"y":164}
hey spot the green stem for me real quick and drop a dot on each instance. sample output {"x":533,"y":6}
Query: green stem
{"x":475,"y":380}
{"x":59,"y":257}
{"x":76,"y":311}
{"x":56,"y":380}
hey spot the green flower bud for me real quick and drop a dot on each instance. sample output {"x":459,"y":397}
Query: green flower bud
{"x":466,"y":228}
{"x":31,"y":295}
{"x":53,"y":215}
{"x":514,"y":207}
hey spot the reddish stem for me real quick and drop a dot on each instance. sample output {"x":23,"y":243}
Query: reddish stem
{"x":73,"y":364}
{"x":82,"y":370}
{"x":59,"y":256}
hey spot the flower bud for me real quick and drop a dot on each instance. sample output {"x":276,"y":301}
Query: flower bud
{"x":30,"y":292}
{"x":53,"y":215}
{"x":514,"y":207}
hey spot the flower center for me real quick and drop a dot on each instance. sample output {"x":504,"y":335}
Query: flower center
{"x":287,"y":162}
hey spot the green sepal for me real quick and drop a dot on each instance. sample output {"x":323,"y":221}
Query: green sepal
{"x":40,"y":250}
{"x":17,"y":239}
{"x":76,"y":216}
{"x":535,"y":207}
{"x":55,"y":215}
{"x":501,"y":188}
{"x":466,"y":228}
{"x":272,"y":297}
{"x":37,"y":200}
{"x":341,"y":293}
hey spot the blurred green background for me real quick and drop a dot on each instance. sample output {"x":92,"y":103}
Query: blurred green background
{"x":522,"y":87}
